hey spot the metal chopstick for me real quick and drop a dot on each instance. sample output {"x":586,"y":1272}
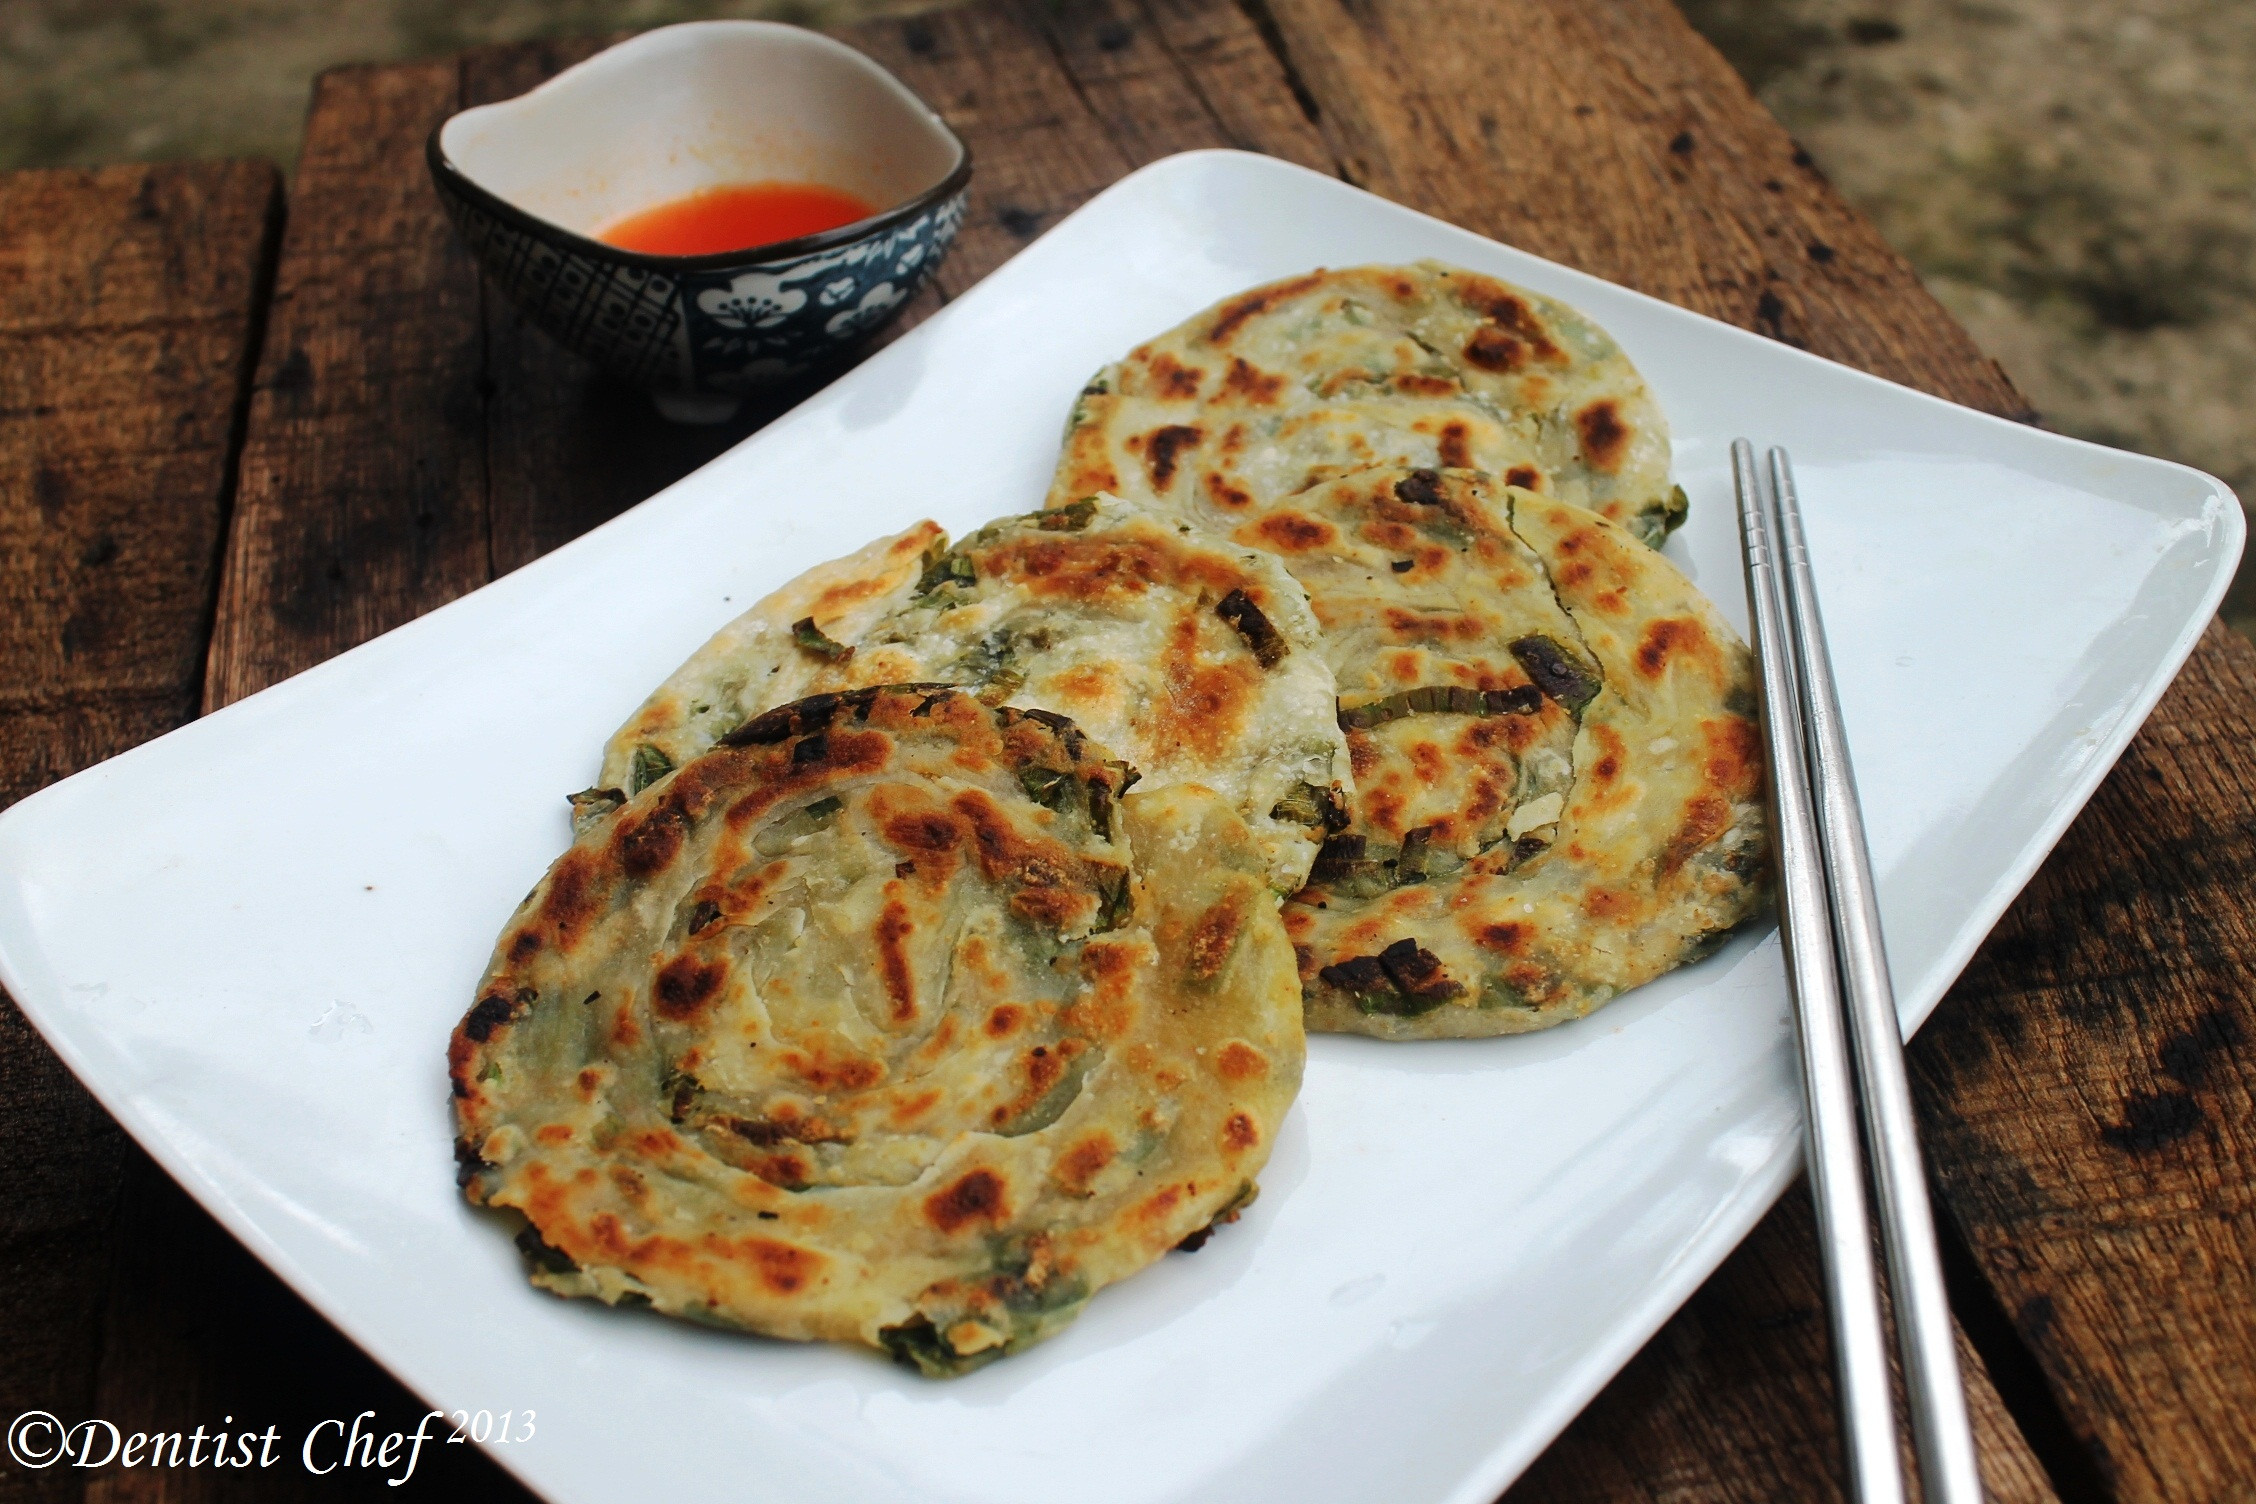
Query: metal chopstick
{"x":1836,"y":1173}
{"x":1942,"y":1436}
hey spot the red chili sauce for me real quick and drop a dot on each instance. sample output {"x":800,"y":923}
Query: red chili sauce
{"x":735,"y":218}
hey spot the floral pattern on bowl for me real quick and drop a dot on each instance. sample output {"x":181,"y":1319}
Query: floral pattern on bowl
{"x":761,"y":327}
{"x":723,"y":332}
{"x":529,"y":183}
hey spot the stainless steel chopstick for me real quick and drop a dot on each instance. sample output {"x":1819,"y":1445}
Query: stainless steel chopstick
{"x":1942,"y":1436}
{"x":1836,"y":1168}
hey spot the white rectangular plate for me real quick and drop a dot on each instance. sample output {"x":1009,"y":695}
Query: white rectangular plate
{"x":251,"y":937}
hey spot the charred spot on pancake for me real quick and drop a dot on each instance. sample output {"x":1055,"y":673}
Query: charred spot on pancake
{"x":1293,"y":532}
{"x":1419,"y":974}
{"x":894,"y":927}
{"x":1268,"y":645}
{"x":1239,"y":1061}
{"x":1172,"y":379}
{"x":1705,"y":818}
{"x":488,"y":1014}
{"x":1455,"y":445}
{"x":1233,"y":314}
{"x":1251,"y":384}
{"x":977,"y":1196}
{"x":1605,"y":437}
{"x":1509,"y":937}
{"x":1224,"y":494}
{"x":1509,"y":318}
{"x":1163,"y":446}
{"x":1526,"y":477}
{"x":1420,"y":488}
{"x":648,"y":845}
{"x":930,"y":831}
{"x":1662,"y":638}
{"x":1214,"y":936}
{"x":783,"y":1268}
{"x":686,"y":986}
{"x":1734,"y":754}
{"x":1086,"y":1160}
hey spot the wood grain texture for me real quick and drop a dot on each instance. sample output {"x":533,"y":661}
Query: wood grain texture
{"x":126,"y":315}
{"x":361,"y":499}
{"x":1696,"y":1417}
{"x":1613,"y":138}
{"x":2086,"y":1095}
{"x":198,"y":1333}
{"x":128,"y":309}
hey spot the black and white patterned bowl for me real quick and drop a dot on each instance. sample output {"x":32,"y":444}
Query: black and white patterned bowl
{"x":530,"y":181}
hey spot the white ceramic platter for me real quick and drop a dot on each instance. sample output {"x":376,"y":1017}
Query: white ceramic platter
{"x":251,"y":937}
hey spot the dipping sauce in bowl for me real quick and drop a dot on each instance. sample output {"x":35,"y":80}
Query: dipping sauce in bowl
{"x":735,"y":217}
{"x":710,"y":209}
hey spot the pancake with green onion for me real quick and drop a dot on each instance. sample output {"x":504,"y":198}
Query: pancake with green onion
{"x":1427,"y":366}
{"x":1557,"y":776}
{"x":1194,"y":660}
{"x":894,"y":1019}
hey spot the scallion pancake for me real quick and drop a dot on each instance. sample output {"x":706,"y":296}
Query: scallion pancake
{"x":1427,"y":366}
{"x":1557,"y":775}
{"x":894,"y":1019}
{"x":1196,"y":661}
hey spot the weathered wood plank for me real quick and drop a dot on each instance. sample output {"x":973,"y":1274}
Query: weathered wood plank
{"x":2086,"y":1091}
{"x":1613,"y":138}
{"x":127,"y":299}
{"x":1177,"y":75}
{"x":361,"y":502}
{"x":129,"y":302}
{"x":1696,"y":1417}
{"x":1037,"y":151}
{"x":1059,"y":101}
{"x":362,"y":497}
{"x":200,"y":1333}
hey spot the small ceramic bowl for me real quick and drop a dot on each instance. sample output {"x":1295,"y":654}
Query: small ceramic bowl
{"x":530,"y":182}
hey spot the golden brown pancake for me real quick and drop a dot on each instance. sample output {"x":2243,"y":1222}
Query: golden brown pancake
{"x":1557,"y":781}
{"x":1427,"y":366}
{"x":1194,"y":660}
{"x":893,"y":1019}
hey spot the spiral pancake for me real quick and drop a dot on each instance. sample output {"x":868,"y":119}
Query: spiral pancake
{"x":1557,"y":775}
{"x":1284,"y":386}
{"x":1195,"y":661}
{"x":889,"y":1021}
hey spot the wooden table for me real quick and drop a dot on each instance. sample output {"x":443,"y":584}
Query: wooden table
{"x":237,"y":438}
